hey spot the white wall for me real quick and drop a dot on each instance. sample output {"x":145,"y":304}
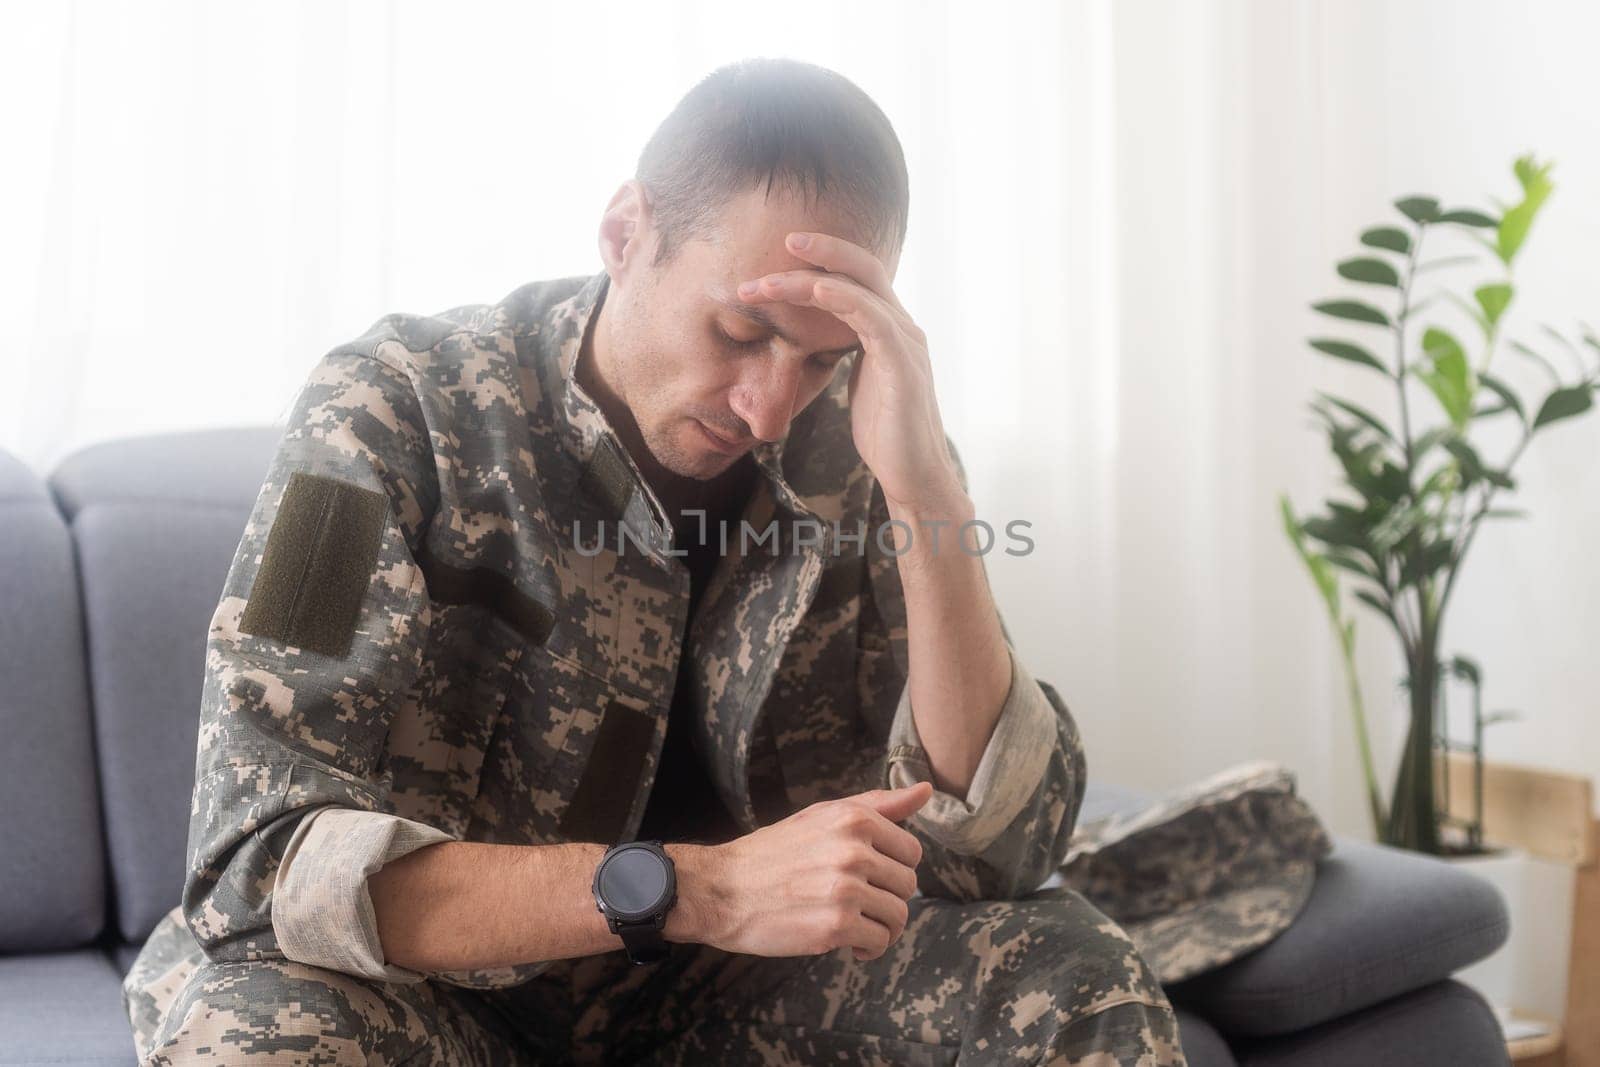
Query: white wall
{"x":1120,"y":213}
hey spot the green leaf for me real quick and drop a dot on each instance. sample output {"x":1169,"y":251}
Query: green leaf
{"x":1451,"y":378}
{"x":1515,"y":223}
{"x":1362,"y":414}
{"x":1421,"y":305}
{"x":1561,"y":339}
{"x":1353,"y":517}
{"x":1376,"y":601}
{"x":1352,"y":310}
{"x":1467,"y":670}
{"x":1391,"y":483}
{"x":1466,"y":457}
{"x":1345,"y":350}
{"x":1505,"y":393}
{"x":1465,"y":217}
{"x":1563,"y":404}
{"x":1326,"y":583}
{"x":1493,"y":299}
{"x":1369,"y":270}
{"x":1443,"y":479}
{"x":1396,"y":526}
{"x":1387,"y":238}
{"x":1362,"y":463}
{"x":1430,"y":438}
{"x":1473,"y":468}
{"x":1350,"y":563}
{"x":1444,"y":261}
{"x":1426,"y":562}
{"x":1549,"y":368}
{"x":1419,"y":209}
{"x":1506,"y":513}
{"x":1333,"y":532}
{"x":1471,"y":310}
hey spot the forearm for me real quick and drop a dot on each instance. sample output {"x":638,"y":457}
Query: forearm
{"x":960,"y":668}
{"x":462,"y":905}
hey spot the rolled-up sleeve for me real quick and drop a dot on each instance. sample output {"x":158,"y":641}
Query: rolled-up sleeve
{"x":322,"y":913}
{"x":320,"y":631}
{"x":1009,"y":772}
{"x":1012,"y":829}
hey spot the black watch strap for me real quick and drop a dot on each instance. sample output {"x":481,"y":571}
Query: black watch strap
{"x":639,"y":929}
{"x":643,"y":942}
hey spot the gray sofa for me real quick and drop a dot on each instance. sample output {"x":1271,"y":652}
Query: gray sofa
{"x":110,"y":569}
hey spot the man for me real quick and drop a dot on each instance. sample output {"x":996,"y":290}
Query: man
{"x":495,"y":611}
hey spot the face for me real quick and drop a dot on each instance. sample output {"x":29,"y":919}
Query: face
{"x":705,"y":376}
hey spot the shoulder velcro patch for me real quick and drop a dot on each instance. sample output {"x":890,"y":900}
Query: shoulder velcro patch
{"x":317,"y":565}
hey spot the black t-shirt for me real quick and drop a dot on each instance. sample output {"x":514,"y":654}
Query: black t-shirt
{"x":683,"y":804}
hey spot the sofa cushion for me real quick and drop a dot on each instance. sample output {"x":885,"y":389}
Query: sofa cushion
{"x":63,"y":1008}
{"x":156,"y":521}
{"x":1102,"y":799}
{"x":1380,"y":922}
{"x":1202,"y":1045}
{"x":52,"y":883}
{"x":1444,"y":1024}
{"x":124,"y":953}
{"x":201,"y":466}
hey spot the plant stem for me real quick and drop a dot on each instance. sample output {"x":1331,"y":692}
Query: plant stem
{"x":1476,"y":521}
{"x":1359,"y":713}
{"x":1396,"y":598}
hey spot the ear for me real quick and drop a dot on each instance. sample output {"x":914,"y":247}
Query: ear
{"x":625,"y":231}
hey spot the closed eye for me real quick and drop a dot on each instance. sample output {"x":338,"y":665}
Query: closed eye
{"x":733,"y":342}
{"x":826,"y":361}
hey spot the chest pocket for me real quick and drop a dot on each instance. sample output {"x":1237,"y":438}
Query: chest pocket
{"x":582,"y":718}
{"x":569,"y":752}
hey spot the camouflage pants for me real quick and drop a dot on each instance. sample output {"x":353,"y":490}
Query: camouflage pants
{"x":1047,"y":979}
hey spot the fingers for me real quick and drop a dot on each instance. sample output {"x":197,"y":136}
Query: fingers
{"x":868,"y":923}
{"x":895,"y":842}
{"x":864,"y":311}
{"x":868,"y":938}
{"x":892,"y":874}
{"x":895,"y":804}
{"x":888,"y":913}
{"x":791,"y":286}
{"x":843,"y":257}
{"x":863,"y":823}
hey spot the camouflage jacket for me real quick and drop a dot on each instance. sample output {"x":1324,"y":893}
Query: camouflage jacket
{"x":415,"y":644}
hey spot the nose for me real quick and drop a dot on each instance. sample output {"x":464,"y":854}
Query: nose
{"x":764,"y":399}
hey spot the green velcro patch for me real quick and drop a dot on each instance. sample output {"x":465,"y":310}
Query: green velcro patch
{"x":317,"y":565}
{"x":599,"y":808}
{"x":607,"y":480}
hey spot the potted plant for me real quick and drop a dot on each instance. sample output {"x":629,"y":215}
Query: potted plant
{"x":1418,"y":481}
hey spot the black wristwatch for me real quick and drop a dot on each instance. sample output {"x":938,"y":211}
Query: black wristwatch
{"x":635,"y":886}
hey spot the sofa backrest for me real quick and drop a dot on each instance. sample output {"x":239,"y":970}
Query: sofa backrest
{"x":52,"y":876}
{"x":156,"y":521}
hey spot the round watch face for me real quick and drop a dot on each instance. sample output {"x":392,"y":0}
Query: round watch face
{"x":634,"y":882}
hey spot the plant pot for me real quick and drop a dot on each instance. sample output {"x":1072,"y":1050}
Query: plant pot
{"x":1526,"y":978}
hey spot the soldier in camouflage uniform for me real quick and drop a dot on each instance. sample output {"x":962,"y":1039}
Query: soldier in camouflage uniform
{"x":418,"y":644}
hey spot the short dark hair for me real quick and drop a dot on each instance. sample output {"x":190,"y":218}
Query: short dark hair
{"x":802,"y":126}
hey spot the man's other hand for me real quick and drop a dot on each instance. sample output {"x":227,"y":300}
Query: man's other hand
{"x":836,"y":873}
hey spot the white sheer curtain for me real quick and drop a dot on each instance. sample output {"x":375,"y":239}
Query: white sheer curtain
{"x":1120,"y":212}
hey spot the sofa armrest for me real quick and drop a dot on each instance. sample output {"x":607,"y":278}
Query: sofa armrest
{"x":1380,"y":922}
